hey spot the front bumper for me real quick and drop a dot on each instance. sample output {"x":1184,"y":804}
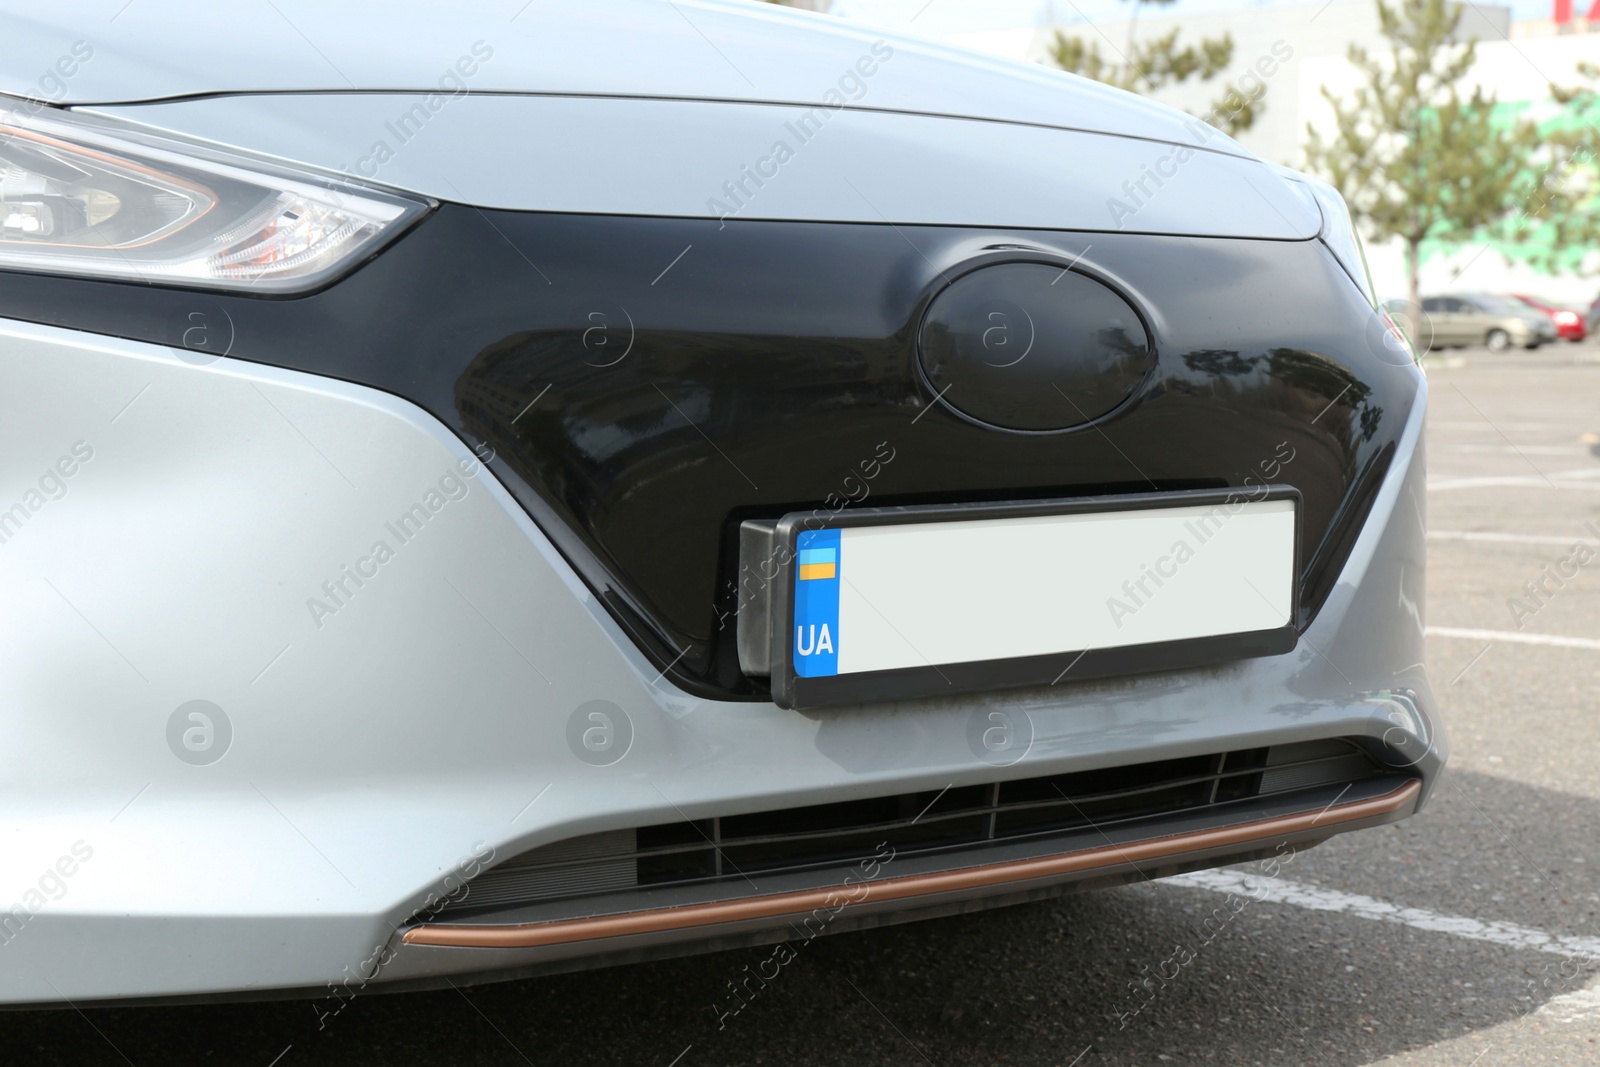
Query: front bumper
{"x":419,"y":725}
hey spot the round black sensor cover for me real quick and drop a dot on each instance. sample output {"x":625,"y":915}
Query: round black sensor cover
{"x":1034,"y":347}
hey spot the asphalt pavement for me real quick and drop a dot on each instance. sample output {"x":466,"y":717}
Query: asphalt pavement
{"x":1467,"y":935}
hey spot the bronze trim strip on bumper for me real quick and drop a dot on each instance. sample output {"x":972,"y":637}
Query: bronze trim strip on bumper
{"x":658,"y":920}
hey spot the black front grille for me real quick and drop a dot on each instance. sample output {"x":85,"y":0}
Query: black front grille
{"x":790,"y":354}
{"x":958,"y":819}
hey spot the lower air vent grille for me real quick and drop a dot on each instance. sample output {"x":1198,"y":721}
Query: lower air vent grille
{"x":956,"y":819}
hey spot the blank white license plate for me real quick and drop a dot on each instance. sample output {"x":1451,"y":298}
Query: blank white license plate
{"x":874,"y":598}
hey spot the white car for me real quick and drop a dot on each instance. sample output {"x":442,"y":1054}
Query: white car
{"x":498,"y":488}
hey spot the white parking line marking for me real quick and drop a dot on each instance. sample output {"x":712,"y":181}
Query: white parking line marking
{"x":1475,"y":424}
{"x":1508,"y":482}
{"x":1574,"y":1007}
{"x":1280,"y":891}
{"x":1553,"y":480}
{"x":1519,"y":450}
{"x":1501,"y":538}
{"x":1514,"y":636}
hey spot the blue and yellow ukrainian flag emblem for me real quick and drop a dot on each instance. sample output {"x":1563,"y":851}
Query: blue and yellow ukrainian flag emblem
{"x":816,"y":602}
{"x":818,"y":563}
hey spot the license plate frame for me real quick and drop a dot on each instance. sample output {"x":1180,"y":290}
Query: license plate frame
{"x":770,"y":551}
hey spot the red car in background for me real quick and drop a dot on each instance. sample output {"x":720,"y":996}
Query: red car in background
{"x":1569,"y":323}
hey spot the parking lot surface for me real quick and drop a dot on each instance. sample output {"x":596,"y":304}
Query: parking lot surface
{"x":1467,"y":935}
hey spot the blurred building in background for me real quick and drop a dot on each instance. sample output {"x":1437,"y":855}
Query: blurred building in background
{"x":1517,"y":62}
{"x":1310,"y":31}
{"x":1519,"y":70}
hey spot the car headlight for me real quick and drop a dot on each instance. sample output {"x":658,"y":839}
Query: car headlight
{"x":1339,"y":234}
{"x":86,"y":196}
{"x":1567,"y":318}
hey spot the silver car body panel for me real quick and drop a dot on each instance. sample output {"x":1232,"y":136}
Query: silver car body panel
{"x":701,"y":159}
{"x":730,"y":50}
{"x":372,"y":758}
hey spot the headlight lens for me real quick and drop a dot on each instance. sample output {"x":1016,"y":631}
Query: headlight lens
{"x":1567,"y":318}
{"x":1339,"y":234}
{"x":81,"y":195}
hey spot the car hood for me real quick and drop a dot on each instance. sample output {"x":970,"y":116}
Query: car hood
{"x":117,"y":52}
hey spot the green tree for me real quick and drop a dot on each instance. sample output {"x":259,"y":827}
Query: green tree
{"x":1146,"y":66}
{"x":1415,"y":159}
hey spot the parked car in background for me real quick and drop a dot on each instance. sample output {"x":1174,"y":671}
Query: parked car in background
{"x":1398,"y":311}
{"x":1460,"y":319}
{"x":1569,"y":323}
